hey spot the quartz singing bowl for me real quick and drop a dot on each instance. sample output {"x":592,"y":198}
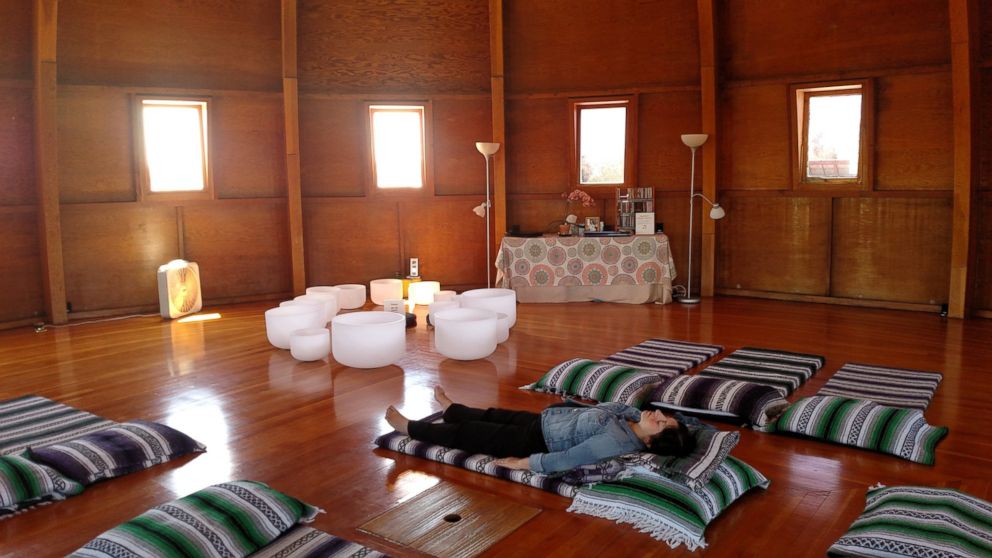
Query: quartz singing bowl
{"x":327,"y":293}
{"x":502,"y":327}
{"x":327,"y":300}
{"x":351,"y":296}
{"x":281,"y":322}
{"x":383,"y":289}
{"x":439,"y":305}
{"x":465,"y":333}
{"x":497,"y":300}
{"x":310,"y":344}
{"x":368,"y":339}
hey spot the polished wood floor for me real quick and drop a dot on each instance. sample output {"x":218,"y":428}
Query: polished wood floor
{"x":306,"y":428}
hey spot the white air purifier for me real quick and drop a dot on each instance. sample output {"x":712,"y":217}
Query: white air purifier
{"x":179,"y":289}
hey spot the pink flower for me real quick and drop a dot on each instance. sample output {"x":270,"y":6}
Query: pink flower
{"x":577,"y":195}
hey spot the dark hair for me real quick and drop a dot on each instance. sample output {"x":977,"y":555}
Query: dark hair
{"x":673,"y":441}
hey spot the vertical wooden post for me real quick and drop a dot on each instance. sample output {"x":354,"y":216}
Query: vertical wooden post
{"x":47,"y":159}
{"x":964,"y":80}
{"x":499,"y":122}
{"x":708,"y":110}
{"x":290,"y":103}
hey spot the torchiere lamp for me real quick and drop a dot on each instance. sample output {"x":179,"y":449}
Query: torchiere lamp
{"x":487,"y":149}
{"x":693,"y":141}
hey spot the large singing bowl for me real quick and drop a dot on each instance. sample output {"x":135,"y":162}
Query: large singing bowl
{"x":497,"y":300}
{"x":368,"y":339}
{"x":465,"y":333}
{"x":281,"y":322}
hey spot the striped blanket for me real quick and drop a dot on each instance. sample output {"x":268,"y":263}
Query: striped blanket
{"x":782,"y":370}
{"x":664,"y":356}
{"x":919,"y":521}
{"x":895,"y":387}
{"x":36,"y":421}
{"x":307,"y":542}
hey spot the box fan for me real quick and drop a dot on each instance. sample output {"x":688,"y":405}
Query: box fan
{"x":179,"y":289}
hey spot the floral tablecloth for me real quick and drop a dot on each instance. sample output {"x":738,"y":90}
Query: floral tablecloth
{"x":553,"y":261}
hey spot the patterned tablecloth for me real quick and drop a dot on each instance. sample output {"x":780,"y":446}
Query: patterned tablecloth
{"x":584,"y":265}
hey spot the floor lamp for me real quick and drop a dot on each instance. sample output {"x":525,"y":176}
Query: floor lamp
{"x":693,"y":141}
{"x":487,"y":149}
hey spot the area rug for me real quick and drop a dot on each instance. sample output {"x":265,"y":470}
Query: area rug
{"x":783,"y":370}
{"x":919,"y":521}
{"x":664,"y":356}
{"x":894,"y":387}
{"x":32,"y":420}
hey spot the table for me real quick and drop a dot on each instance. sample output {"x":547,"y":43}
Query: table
{"x":631,"y":269}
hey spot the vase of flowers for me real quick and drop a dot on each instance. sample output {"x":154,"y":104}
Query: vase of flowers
{"x":579,"y":198}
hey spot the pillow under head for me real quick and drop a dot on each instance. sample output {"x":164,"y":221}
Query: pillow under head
{"x":121,"y":449}
{"x":754,"y":403}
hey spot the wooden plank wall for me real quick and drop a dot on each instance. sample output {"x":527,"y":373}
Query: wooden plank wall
{"x":890,"y":245}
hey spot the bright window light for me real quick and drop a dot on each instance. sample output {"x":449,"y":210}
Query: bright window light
{"x":833,"y":136}
{"x":602,"y":144}
{"x":398,"y":146}
{"x":175,"y":134}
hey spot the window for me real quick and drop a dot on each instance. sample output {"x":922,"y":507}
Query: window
{"x":603,"y":141}
{"x":832,"y":127}
{"x":398,"y":146}
{"x":172,"y":147}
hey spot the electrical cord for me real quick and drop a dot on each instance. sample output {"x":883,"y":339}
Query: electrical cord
{"x":42,"y":326}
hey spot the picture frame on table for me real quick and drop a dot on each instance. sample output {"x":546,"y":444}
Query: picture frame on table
{"x":592,"y":224}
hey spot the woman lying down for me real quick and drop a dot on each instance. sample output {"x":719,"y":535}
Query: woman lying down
{"x":559,"y":438}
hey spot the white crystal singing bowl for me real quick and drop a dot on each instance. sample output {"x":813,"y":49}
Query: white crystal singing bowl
{"x":465,"y":333}
{"x":381,"y":290}
{"x":368,"y":339}
{"x":327,"y":292}
{"x":310,"y":344}
{"x":351,"y":296}
{"x":282,"y":321}
{"x":502,"y":327}
{"x":328,"y":301}
{"x":497,"y":300}
{"x":439,"y":305}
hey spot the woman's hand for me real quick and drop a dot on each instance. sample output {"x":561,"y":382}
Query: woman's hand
{"x":513,"y":462}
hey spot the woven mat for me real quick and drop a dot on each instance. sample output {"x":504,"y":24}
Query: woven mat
{"x":36,"y":421}
{"x":664,"y":356}
{"x":894,"y":387}
{"x":783,"y":370}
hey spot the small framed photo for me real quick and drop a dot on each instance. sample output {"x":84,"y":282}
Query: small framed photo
{"x":592,"y":223}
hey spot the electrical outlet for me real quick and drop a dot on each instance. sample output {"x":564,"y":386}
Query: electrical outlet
{"x":414,"y":267}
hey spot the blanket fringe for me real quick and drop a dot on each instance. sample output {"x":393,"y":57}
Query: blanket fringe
{"x":644,"y":523}
{"x":12,"y":513}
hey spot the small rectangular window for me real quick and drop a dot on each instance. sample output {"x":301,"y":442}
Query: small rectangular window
{"x":831,"y":132}
{"x":398,"y":146}
{"x":603,"y":142}
{"x":173,"y":150}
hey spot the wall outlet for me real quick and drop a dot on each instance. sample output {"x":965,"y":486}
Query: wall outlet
{"x":414,"y":267}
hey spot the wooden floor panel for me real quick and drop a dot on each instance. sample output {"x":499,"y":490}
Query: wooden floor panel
{"x":306,"y":428}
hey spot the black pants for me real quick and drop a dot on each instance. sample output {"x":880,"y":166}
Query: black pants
{"x":492,"y":431}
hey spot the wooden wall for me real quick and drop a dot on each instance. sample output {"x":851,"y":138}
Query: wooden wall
{"x":890,"y":245}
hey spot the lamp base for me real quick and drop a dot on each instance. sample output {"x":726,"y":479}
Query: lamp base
{"x":689,"y":300}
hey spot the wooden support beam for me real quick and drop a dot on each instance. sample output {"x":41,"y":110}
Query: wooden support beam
{"x":291,"y":116}
{"x":499,"y":122}
{"x":47,"y":160}
{"x":708,"y":116}
{"x":964,"y":80}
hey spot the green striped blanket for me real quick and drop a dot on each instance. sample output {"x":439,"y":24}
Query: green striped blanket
{"x":230,"y":519}
{"x":864,"y":424}
{"x":36,"y":421}
{"x":24,"y":484}
{"x":599,"y":381}
{"x":919,"y":521}
{"x":666,"y":509}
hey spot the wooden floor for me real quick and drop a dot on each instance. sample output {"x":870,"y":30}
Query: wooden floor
{"x":306,"y":428}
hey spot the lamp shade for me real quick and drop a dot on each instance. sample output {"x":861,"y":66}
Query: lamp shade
{"x":717,"y":212}
{"x":694,"y":140}
{"x":487,"y":148}
{"x":422,"y":293}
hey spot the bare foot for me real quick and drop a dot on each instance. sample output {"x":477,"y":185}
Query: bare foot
{"x":442,"y":398}
{"x":399,"y":422}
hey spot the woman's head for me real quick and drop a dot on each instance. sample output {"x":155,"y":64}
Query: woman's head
{"x":675,"y":441}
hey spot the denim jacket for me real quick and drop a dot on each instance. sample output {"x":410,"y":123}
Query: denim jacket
{"x":583,"y":435}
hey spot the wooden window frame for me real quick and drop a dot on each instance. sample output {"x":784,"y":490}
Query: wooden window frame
{"x":143,"y":177}
{"x":427,"y":147}
{"x":575,"y":106}
{"x":799,"y":95}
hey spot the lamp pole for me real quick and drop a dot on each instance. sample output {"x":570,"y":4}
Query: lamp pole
{"x":692,"y":141}
{"x":487,"y":149}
